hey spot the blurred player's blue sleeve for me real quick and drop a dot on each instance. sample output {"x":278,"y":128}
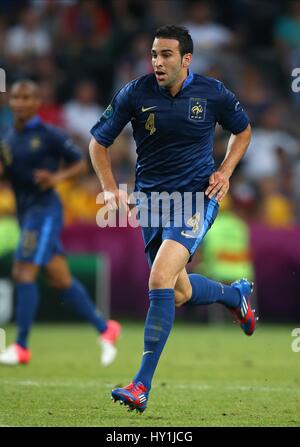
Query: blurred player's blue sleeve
{"x":115,"y":117}
{"x":65,"y":148}
{"x":230,"y":113}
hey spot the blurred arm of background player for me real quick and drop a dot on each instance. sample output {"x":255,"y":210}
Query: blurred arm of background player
{"x":47,"y":179}
{"x":1,"y":169}
{"x":113,"y":197}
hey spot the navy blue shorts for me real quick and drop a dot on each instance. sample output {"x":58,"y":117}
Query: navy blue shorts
{"x":190,"y":234}
{"x":40,"y":235}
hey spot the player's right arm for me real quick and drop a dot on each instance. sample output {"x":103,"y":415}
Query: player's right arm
{"x":104,"y":132}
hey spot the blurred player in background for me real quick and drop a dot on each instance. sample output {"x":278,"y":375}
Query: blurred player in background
{"x":31,"y":156}
{"x":173,"y":113}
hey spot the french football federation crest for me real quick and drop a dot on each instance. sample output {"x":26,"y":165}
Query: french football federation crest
{"x":197,"y":109}
{"x":35,"y":143}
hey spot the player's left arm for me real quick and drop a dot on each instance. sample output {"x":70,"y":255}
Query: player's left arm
{"x":232,"y":117}
{"x":236,"y":148}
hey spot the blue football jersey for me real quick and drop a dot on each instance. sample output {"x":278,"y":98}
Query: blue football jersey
{"x":173,"y":135}
{"x":37,"y":146}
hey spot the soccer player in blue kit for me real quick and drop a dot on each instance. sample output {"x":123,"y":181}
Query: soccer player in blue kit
{"x":31,"y":154}
{"x":173,"y":113}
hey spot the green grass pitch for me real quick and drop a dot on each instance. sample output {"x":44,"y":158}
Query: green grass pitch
{"x":207,"y":376}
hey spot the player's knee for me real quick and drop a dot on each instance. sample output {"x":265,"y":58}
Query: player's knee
{"x":59,"y":282}
{"x":159,"y":280}
{"x":58,"y":274}
{"x":23,"y":274}
{"x":181,"y":298}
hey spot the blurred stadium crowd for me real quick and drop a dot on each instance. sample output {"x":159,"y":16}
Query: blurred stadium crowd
{"x":82,"y":52}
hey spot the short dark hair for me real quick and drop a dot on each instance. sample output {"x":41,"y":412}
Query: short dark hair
{"x":28,"y":83}
{"x":179,"y":33}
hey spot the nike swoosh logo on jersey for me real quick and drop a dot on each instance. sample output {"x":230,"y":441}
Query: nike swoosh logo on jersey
{"x":183,"y":233}
{"x":147,"y":352}
{"x":145,"y":109}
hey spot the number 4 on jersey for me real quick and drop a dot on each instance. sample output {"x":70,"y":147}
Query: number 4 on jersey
{"x":150,"y":124}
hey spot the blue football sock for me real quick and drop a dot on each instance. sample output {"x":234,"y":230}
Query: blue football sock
{"x":77,"y":297}
{"x":206,"y":291}
{"x":27,"y":297}
{"x":158,"y":325}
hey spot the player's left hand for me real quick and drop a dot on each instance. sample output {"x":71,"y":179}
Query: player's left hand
{"x":45,"y":179}
{"x":218,"y":186}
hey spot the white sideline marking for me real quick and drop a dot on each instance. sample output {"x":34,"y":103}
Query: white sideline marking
{"x":239,"y":388}
{"x":193,"y":386}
